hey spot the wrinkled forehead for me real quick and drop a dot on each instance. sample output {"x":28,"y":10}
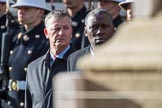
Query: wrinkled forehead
{"x":59,"y":21}
{"x":2,"y":2}
{"x":111,"y":1}
{"x":97,"y":19}
{"x":107,"y":3}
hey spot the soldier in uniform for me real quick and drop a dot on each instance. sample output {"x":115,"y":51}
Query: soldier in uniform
{"x":28,"y":44}
{"x":112,"y":6}
{"x":8,"y":27}
{"x":3,"y":17}
{"x":127,"y":6}
{"x":78,"y":12}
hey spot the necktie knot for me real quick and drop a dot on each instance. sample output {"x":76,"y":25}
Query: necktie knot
{"x":54,"y":57}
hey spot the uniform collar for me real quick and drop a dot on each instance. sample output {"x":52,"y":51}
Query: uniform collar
{"x":3,"y":19}
{"x":39,"y":27}
{"x":26,"y":36}
{"x":80,"y":13}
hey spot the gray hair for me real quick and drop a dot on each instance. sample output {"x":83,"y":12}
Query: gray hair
{"x":56,"y":14}
{"x":98,"y":12}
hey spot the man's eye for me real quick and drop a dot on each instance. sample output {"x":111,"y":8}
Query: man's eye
{"x":66,"y":28}
{"x":55,"y":29}
{"x":95,"y":27}
{"x":105,"y":26}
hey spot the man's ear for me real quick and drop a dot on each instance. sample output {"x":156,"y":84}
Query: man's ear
{"x":85,"y":31}
{"x":115,"y":28}
{"x":46,"y":33}
{"x":71,"y":31}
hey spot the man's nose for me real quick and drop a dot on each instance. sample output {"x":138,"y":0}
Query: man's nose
{"x":99,"y":30}
{"x":21,"y":10}
{"x":61,"y":31}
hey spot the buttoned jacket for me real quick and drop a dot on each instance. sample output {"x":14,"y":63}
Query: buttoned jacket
{"x":39,"y":80}
{"x":26,"y":46}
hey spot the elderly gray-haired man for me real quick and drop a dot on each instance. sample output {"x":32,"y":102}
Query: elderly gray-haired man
{"x":40,"y":72}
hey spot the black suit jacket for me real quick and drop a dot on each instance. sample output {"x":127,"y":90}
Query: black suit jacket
{"x":39,"y":91}
{"x":74,"y":57}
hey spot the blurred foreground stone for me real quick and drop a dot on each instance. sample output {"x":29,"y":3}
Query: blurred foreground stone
{"x":109,"y":90}
{"x":125,"y":73}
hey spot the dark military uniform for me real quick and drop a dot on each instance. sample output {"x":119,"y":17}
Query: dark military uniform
{"x":2,"y":25}
{"x":26,"y":47}
{"x":13,"y":26}
{"x":117,"y":21}
{"x":8,"y":32}
{"x":78,"y":39}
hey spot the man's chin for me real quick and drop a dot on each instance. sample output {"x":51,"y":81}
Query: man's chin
{"x":60,"y":45}
{"x":99,"y":42}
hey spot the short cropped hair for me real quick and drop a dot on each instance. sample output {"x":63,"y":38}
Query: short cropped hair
{"x":56,"y":14}
{"x":98,"y":12}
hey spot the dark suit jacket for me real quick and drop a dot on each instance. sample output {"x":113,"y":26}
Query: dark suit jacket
{"x":39,"y":80}
{"x":74,"y":57}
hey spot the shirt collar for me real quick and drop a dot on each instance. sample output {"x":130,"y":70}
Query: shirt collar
{"x":92,"y":51}
{"x":60,"y":55}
